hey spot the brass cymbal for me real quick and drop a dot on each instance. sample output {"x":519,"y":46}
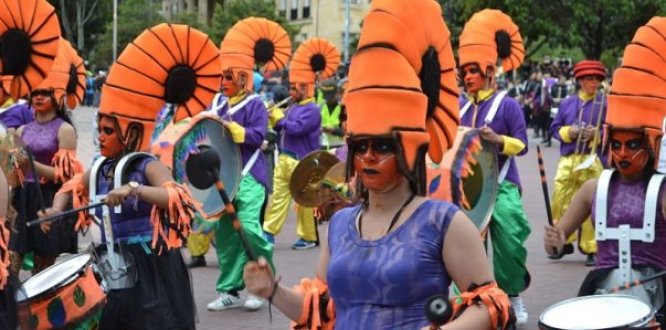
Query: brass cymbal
{"x":305,"y":184}
{"x":337,"y":173}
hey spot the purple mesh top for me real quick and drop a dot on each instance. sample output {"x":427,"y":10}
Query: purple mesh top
{"x":626,"y":204}
{"x":384,"y":284}
{"x":42,"y":139}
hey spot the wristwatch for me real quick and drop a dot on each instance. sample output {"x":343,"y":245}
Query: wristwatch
{"x":134,"y":188}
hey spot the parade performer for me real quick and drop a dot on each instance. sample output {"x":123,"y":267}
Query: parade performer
{"x":578,"y":128}
{"x":627,"y":203}
{"x":51,"y":141}
{"x":246,"y":117}
{"x":489,"y":36}
{"x":8,"y":309}
{"x":299,"y":129}
{"x":331,"y":111}
{"x":149,"y":214}
{"x":403,"y":73}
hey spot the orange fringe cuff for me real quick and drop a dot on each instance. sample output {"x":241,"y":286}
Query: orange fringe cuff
{"x":318,"y":307}
{"x":179,"y":214}
{"x":77,"y":186}
{"x":498,"y":304}
{"x":66,"y":165}
{"x":4,"y":252}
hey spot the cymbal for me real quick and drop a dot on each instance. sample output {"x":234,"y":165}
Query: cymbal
{"x":337,"y":173}
{"x":305,"y":184}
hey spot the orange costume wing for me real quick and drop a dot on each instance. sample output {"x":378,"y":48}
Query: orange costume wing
{"x":76,"y":87}
{"x":490,"y":35}
{"x":638,"y":95}
{"x":168,"y":63}
{"x":263,"y":41}
{"x":404,"y":71}
{"x":64,"y":76}
{"x":29,"y":40}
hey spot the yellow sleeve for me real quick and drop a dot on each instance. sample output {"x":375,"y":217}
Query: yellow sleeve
{"x":512,"y":146}
{"x":564,"y":134}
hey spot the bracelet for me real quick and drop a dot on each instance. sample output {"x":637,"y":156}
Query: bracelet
{"x":275,"y":288}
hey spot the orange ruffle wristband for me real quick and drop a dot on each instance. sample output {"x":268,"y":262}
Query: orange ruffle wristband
{"x":178,"y":215}
{"x":66,"y":165}
{"x":318,"y":308}
{"x":489,"y":294}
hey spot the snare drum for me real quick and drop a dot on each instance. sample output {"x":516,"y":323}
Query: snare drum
{"x":62,"y":295}
{"x":599,"y":312}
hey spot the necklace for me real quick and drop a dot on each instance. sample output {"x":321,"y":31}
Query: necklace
{"x":393,"y":221}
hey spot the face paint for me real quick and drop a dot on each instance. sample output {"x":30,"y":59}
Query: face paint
{"x":296,"y":92}
{"x":110,"y":144}
{"x":376,"y":164}
{"x":42,"y":100}
{"x":589,"y":84}
{"x":473,"y":78}
{"x":629,"y":152}
{"x":229,"y":85}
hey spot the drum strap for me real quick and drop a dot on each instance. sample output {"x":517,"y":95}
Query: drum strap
{"x":240,"y":105}
{"x":661,"y":164}
{"x":250,"y":162}
{"x":489,"y":119}
{"x":219,"y":102}
{"x":624,"y":234}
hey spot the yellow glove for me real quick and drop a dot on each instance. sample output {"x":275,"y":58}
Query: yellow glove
{"x":274,"y":116}
{"x":237,"y":131}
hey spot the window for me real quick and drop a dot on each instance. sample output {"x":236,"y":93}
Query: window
{"x":306,"y":8}
{"x":293,"y":15}
{"x":282,"y":9}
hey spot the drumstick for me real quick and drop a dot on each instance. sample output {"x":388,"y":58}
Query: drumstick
{"x":64,"y":214}
{"x":35,"y":175}
{"x":544,"y":188}
{"x":635,"y":283}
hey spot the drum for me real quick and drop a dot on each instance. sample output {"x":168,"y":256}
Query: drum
{"x":6,"y":144}
{"x":599,"y":312}
{"x":467,"y":176}
{"x":64,"y":294}
{"x":178,"y":140}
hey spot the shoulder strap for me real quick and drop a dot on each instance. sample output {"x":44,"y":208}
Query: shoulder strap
{"x":92,"y":180}
{"x":601,"y":204}
{"x":219,"y":101}
{"x":494,"y":106}
{"x":120,"y":169}
{"x":241,"y":104}
{"x":464,"y":109}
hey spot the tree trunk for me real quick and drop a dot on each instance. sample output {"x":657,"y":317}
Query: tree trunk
{"x":65,"y":21}
{"x":80,"y":37}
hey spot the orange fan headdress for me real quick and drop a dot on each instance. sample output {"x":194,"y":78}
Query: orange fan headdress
{"x":490,"y":35}
{"x":29,"y":39}
{"x":168,"y":63}
{"x":255,"y":41}
{"x":66,"y":77}
{"x":638,"y":95}
{"x":404,"y":73}
{"x":313,"y":57}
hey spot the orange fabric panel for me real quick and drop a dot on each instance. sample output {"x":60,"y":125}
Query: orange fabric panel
{"x":411,"y":142}
{"x":397,"y":108}
{"x":61,"y":72}
{"x":635,"y":111}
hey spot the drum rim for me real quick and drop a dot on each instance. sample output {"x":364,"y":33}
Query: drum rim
{"x":57,"y":286}
{"x":623,"y":326}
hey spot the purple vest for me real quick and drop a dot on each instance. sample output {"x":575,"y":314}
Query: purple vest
{"x":131,"y":223}
{"x":626,"y":203}
{"x":42,"y":140}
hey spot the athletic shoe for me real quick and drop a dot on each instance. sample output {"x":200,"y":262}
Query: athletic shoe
{"x":198,"y":261}
{"x":253,"y":303}
{"x":269,"y":238}
{"x":520,"y":310}
{"x":566,"y":249}
{"x":591,"y":260}
{"x":224,"y":301}
{"x":302,"y":244}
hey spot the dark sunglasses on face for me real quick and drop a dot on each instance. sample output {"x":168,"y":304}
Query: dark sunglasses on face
{"x":107,"y":130}
{"x":380,"y":146}
{"x":41,"y":92}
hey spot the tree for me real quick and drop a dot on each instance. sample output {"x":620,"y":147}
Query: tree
{"x":227,"y":13}
{"x":82,"y":21}
{"x":134,"y":16}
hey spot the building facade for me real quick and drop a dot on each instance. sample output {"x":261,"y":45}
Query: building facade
{"x":202,"y":8}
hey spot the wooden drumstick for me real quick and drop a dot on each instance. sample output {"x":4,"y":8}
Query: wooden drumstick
{"x":544,"y":188}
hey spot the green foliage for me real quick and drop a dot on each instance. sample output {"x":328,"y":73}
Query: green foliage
{"x":227,"y":14}
{"x":134,"y":16}
{"x":93,"y":28}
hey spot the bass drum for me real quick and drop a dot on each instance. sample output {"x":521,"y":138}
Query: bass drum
{"x":467,"y":176}
{"x":177,"y":141}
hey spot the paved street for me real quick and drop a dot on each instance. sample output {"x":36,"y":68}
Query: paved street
{"x":551,"y":281}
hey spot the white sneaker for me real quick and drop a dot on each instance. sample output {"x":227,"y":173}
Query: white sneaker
{"x":253,"y":303}
{"x":520,"y":310}
{"x":224,"y":301}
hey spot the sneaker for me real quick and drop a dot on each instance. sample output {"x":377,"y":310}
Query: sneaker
{"x":224,"y":301}
{"x":253,"y":303}
{"x":566,"y":249}
{"x":198,"y":261}
{"x":302,"y":244}
{"x":269,"y":238}
{"x":591,"y":260}
{"x":519,"y":309}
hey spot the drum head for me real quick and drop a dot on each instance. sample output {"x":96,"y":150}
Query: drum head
{"x":213,"y":134}
{"x":596,"y":312}
{"x":53,"y":277}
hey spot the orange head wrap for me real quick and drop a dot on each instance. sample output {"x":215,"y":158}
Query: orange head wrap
{"x":251,"y":41}
{"x":66,"y":77}
{"x":168,"y":63}
{"x":314,"y":56}
{"x":589,"y":68}
{"x":490,"y":35}
{"x":638,"y":95}
{"x":29,"y":39}
{"x":402,"y":83}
